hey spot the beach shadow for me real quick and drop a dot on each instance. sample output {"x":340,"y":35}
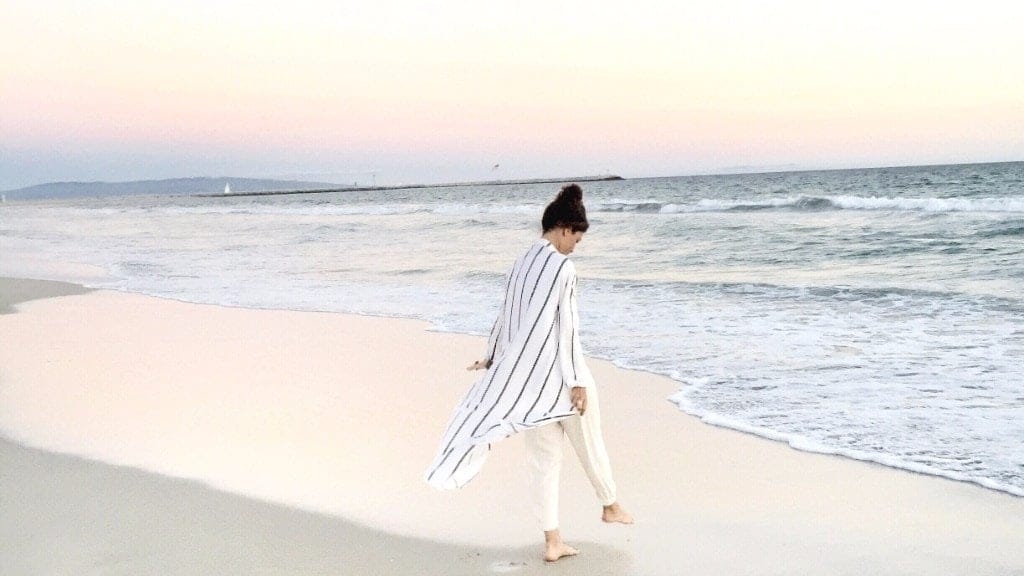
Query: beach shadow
{"x":17,"y":290}
{"x":65,"y":514}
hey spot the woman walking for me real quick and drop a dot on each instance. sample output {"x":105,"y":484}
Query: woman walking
{"x":537,"y":381}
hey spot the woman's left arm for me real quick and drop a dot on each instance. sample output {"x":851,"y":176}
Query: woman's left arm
{"x":574,"y":368}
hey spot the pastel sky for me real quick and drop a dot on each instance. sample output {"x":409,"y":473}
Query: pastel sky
{"x":429,"y":92}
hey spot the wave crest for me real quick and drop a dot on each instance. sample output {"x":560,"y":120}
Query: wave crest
{"x":801,"y":203}
{"x":816,"y":203}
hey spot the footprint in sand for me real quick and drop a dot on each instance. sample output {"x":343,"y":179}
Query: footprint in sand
{"x":503,"y":566}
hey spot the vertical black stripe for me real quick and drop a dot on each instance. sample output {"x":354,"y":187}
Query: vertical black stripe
{"x":558,"y":397}
{"x":532,"y":368}
{"x":534,"y":291}
{"x":522,"y":270}
{"x":545,"y":385}
{"x":470,"y":410}
{"x":459,"y":463}
{"x":506,"y":311}
{"x":468,"y":414}
{"x":572,"y":327}
{"x":437,"y":467}
{"x":572,"y":333}
{"x":522,"y":307}
{"x":495,"y":330}
{"x":525,"y":307}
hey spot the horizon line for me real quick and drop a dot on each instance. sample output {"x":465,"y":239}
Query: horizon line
{"x":723,"y":171}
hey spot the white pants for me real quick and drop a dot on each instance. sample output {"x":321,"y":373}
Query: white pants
{"x":544,"y":460}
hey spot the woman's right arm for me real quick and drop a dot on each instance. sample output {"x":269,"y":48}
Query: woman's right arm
{"x":492,"y":340}
{"x":495,"y":337}
{"x":492,"y":344}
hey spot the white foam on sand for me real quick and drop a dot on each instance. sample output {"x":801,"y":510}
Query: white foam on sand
{"x":805,"y":444}
{"x":15,"y":265}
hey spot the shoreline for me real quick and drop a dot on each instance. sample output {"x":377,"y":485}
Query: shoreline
{"x":52,"y":288}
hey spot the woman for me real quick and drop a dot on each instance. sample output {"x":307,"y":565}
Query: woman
{"x":537,"y":380}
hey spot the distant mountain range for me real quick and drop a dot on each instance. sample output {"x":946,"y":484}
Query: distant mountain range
{"x":202,"y":185}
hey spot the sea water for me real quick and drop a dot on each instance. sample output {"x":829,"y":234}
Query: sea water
{"x":876,"y":314}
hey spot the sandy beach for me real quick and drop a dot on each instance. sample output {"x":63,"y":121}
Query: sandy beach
{"x":151,"y":436}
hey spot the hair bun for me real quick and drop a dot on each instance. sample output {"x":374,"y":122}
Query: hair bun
{"x":570,"y":193}
{"x":566,"y":210}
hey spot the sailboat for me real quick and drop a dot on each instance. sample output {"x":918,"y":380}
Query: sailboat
{"x":227,"y":188}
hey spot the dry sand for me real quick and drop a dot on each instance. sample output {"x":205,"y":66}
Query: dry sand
{"x":297,"y":443}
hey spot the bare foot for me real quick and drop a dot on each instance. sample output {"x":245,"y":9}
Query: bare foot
{"x":554,"y":548}
{"x":554,"y":551}
{"x":615,"y":513}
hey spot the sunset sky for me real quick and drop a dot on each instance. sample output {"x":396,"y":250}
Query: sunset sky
{"x":429,"y":92}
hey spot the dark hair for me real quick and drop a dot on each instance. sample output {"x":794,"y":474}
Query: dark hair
{"x":566,"y":211}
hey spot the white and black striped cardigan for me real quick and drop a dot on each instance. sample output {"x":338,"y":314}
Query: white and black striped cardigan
{"x":535,"y":355}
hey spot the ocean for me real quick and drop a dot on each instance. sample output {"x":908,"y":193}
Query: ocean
{"x":876,"y":314}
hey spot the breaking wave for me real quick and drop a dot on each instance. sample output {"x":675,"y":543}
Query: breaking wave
{"x":815,"y":203}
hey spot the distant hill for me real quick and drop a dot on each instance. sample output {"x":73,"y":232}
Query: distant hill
{"x":202,"y":185}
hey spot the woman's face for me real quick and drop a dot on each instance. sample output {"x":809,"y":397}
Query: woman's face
{"x":566,"y":240}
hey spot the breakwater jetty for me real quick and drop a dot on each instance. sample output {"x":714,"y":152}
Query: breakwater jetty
{"x":415,"y":186}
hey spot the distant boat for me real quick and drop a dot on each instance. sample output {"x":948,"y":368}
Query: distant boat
{"x":3,"y":198}
{"x":227,"y":188}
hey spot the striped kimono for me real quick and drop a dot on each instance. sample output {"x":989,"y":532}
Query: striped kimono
{"x":536,"y":359}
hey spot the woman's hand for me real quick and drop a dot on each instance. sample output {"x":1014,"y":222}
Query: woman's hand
{"x":579,"y":399}
{"x":479,"y":365}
